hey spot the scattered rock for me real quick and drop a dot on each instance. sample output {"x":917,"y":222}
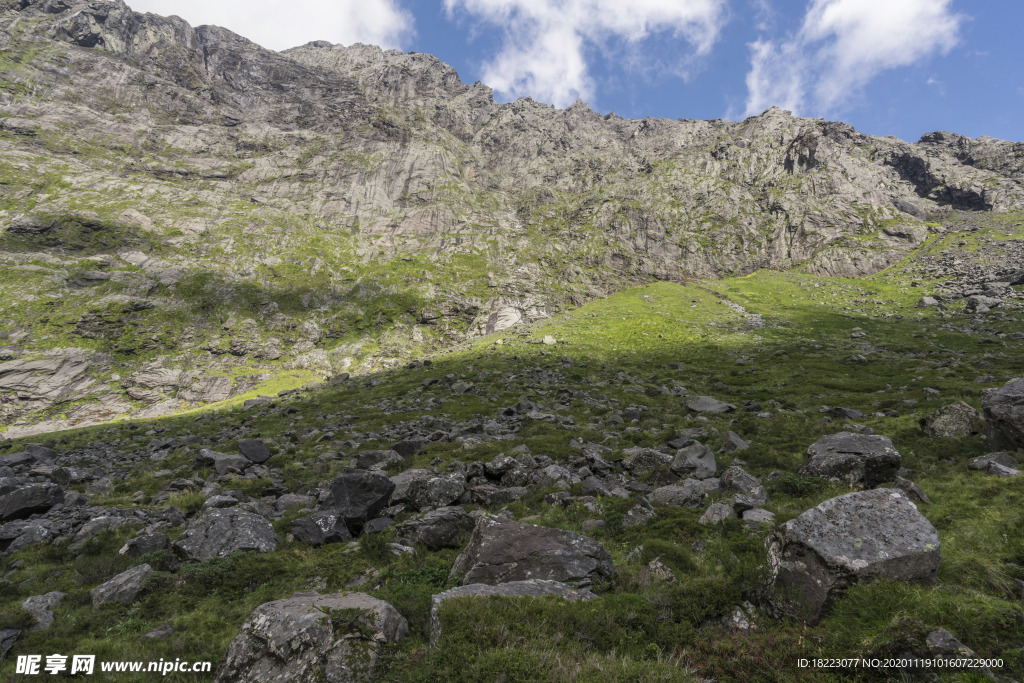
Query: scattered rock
{"x":736,"y":478}
{"x":1004,"y":415}
{"x":218,"y":533}
{"x":254,"y":450}
{"x":690,"y":493}
{"x":28,"y":500}
{"x":864,"y":459}
{"x":912,"y":490}
{"x":501,"y":550}
{"x":942,"y":643}
{"x":41,"y":609}
{"x":707,"y":404}
{"x":734,"y":442}
{"x":334,"y":638}
{"x":866,"y":535}
{"x":142,"y":545}
{"x":360,"y":495}
{"x":124,"y":587}
{"x":716,"y":514}
{"x":320,"y":528}
{"x":955,"y":420}
{"x":696,"y":461}
{"x":441,"y":528}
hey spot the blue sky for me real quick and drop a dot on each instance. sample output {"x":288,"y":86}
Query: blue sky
{"x":889,"y":67}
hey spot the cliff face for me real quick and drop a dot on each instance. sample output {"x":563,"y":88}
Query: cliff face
{"x":243,"y":195}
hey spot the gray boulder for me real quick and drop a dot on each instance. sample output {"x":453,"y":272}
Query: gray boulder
{"x":429,"y":491}
{"x":320,"y":528}
{"x":376,"y":460}
{"x":533,"y":588}
{"x":749,"y":487}
{"x":865,"y":459}
{"x":502,"y":550}
{"x":716,"y":514}
{"x":218,"y":533}
{"x":735,"y":442}
{"x":41,"y":609}
{"x":861,"y":536}
{"x":636,"y":516}
{"x":955,"y":420}
{"x":222,"y":463}
{"x":147,"y":543}
{"x":360,"y":495}
{"x":332,"y":638}
{"x":640,"y":461}
{"x":440,"y":528}
{"x":707,"y":404}
{"x":696,"y":461}
{"x":1002,"y":458}
{"x":690,"y":493}
{"x":124,"y":587}
{"x":8,"y":637}
{"x":26,"y":501}
{"x":1004,"y":415}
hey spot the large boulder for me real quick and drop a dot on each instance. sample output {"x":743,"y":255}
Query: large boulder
{"x":309,"y":637}
{"x":861,"y":536}
{"x":956,"y":419}
{"x":25,"y":501}
{"x":124,"y":587}
{"x":440,"y":528}
{"x":41,"y":608}
{"x":223,"y":463}
{"x":502,"y":550}
{"x":220,"y":532}
{"x":360,"y":495}
{"x":864,"y":459}
{"x":1004,"y":415}
{"x":737,"y":479}
{"x":533,"y":588}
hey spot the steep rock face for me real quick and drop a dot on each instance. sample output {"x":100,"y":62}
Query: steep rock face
{"x":260,"y":193}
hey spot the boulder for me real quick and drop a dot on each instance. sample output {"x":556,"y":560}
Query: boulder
{"x":218,"y":533}
{"x":955,"y":420}
{"x":695,"y":461}
{"x":637,"y":515}
{"x":689,"y":494}
{"x":861,"y":536}
{"x":41,"y":609}
{"x":124,"y":587}
{"x":142,"y":545}
{"x":376,"y":460}
{"x":1004,"y":415}
{"x":864,"y":459}
{"x":502,"y":550}
{"x":982,"y":462}
{"x":320,"y":528}
{"x":707,"y":404}
{"x":25,"y":501}
{"x":440,"y":528}
{"x":254,"y":450}
{"x":737,"y":479}
{"x":533,"y":588}
{"x":221,"y":462}
{"x":332,"y":638}
{"x":735,"y":442}
{"x":8,"y":637}
{"x":716,"y":514}
{"x":429,"y":491}
{"x":360,"y":495}
{"x":640,"y":461}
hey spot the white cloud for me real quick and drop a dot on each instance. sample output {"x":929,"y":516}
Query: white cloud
{"x":544,"y":53}
{"x":281,"y":24}
{"x":841,"y":46}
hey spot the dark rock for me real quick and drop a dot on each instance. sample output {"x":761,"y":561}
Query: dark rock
{"x":955,"y":420}
{"x":124,"y":587}
{"x":360,"y":495}
{"x":427,"y":491}
{"x":8,"y":637}
{"x":376,"y":460}
{"x":437,"y":529}
{"x":377,"y":524}
{"x":734,"y":442}
{"x":942,"y":643}
{"x":1004,"y":415}
{"x":868,"y":460}
{"x":529,"y":588}
{"x":254,"y":450}
{"x":142,"y":545}
{"x":29,"y":500}
{"x":981,"y":463}
{"x":333,"y":638}
{"x":736,"y":478}
{"x":636,"y":516}
{"x":320,"y":528}
{"x":218,"y":533}
{"x":500,"y":551}
{"x":861,"y":536}
{"x":223,"y":463}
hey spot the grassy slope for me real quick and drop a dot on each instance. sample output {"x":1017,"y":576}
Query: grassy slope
{"x":613,"y":353}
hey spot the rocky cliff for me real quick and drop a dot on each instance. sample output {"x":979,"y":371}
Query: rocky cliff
{"x":180,"y":201}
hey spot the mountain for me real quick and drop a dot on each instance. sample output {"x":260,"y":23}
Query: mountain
{"x":187,"y":217}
